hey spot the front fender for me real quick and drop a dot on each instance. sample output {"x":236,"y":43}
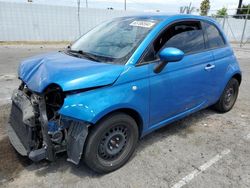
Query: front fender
{"x":92,"y":105}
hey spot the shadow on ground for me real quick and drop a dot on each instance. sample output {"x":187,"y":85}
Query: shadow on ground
{"x":11,"y":163}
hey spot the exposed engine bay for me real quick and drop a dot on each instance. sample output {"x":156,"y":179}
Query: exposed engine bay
{"x":37,"y":130}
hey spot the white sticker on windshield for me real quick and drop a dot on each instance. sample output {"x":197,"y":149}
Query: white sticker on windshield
{"x":146,"y":24}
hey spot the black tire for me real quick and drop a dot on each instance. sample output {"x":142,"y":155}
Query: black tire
{"x":228,"y":97}
{"x":111,"y":143}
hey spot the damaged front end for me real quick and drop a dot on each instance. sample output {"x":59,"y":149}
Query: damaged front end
{"x":38,"y":131}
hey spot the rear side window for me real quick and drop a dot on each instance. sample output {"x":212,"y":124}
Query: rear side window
{"x":186,"y":36}
{"x":215,"y":40}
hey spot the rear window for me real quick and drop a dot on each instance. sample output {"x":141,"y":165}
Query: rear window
{"x":215,"y":40}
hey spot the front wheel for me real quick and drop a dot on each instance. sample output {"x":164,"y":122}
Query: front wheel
{"x":228,"y":97}
{"x":111,"y":143}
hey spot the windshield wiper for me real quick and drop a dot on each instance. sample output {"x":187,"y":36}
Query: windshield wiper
{"x":85,"y":54}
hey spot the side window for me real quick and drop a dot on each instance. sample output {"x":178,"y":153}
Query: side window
{"x":149,"y":54}
{"x":215,"y":40}
{"x":187,"y":36}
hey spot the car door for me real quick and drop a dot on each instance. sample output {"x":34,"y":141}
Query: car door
{"x":222,"y":53}
{"x":181,"y":86}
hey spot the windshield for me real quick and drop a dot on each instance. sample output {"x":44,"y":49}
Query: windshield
{"x":114,"y":41}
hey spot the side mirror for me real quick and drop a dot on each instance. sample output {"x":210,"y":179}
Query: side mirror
{"x":168,"y":55}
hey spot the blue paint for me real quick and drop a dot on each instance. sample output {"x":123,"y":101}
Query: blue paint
{"x":171,"y":55}
{"x":69,"y":72}
{"x":180,"y":89}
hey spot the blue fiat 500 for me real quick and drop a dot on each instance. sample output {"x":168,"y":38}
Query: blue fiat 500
{"x":120,"y":81}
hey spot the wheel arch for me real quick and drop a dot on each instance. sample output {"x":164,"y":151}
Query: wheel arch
{"x":238,"y":77}
{"x":129,"y":111}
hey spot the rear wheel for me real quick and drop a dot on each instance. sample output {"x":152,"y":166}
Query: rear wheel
{"x":228,"y":97}
{"x":111,"y":143}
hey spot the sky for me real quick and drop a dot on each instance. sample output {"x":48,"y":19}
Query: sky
{"x":169,"y":6}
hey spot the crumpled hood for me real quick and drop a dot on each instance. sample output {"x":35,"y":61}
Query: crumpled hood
{"x":69,"y":72}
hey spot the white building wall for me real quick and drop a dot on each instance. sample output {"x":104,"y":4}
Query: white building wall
{"x":35,"y":22}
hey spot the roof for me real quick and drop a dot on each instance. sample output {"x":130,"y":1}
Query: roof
{"x":163,"y":17}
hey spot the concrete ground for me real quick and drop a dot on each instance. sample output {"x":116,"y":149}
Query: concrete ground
{"x":206,"y":149}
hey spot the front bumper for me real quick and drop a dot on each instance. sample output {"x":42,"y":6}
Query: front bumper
{"x":29,"y":133}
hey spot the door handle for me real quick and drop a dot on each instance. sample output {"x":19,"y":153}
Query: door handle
{"x":209,"y":67}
